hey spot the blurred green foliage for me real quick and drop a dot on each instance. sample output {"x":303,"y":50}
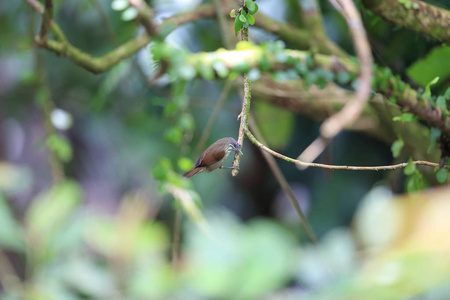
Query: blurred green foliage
{"x":105,"y":231}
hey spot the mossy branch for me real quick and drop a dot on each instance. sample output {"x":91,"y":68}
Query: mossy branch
{"x":243,"y":116}
{"x":414,"y":15}
{"x":61,"y":46}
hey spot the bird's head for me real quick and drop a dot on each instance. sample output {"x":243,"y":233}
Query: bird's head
{"x":233,"y":146}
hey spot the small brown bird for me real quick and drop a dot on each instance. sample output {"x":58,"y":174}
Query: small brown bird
{"x":214,"y":156}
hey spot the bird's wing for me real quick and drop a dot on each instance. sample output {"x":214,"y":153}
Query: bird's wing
{"x":199,"y":162}
{"x":207,"y":160}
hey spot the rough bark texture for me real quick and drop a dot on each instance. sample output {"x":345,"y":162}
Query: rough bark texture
{"x":418,"y":16}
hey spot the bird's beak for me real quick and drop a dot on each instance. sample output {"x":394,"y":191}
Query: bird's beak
{"x":239,"y":150}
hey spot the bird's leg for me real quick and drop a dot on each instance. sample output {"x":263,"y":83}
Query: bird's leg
{"x":222,"y":167}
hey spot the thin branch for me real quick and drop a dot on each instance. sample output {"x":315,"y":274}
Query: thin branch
{"x":145,"y":16}
{"x":351,"y":111}
{"x":245,"y":111}
{"x":336,"y":167}
{"x":47,"y":106}
{"x":283,"y":183}
{"x":46,"y":20}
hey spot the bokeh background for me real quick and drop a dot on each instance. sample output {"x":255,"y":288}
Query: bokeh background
{"x":105,"y":229}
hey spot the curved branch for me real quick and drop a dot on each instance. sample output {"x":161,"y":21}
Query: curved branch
{"x":336,"y":167}
{"x":297,"y":37}
{"x":351,"y":111}
{"x":415,"y":15}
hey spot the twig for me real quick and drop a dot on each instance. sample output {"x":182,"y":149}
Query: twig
{"x":283,"y":183}
{"x":334,"y":124}
{"x":46,"y":20}
{"x":47,"y":103}
{"x":245,"y":111}
{"x":145,"y":16}
{"x":212,"y":120}
{"x":336,"y":167}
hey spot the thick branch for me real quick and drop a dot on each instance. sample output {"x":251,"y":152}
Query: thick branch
{"x":103,"y":63}
{"x":96,"y":64}
{"x":412,"y":102}
{"x":405,"y":96}
{"x":296,"y":37}
{"x":418,"y":16}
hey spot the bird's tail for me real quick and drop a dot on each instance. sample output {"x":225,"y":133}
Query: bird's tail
{"x":192,"y":172}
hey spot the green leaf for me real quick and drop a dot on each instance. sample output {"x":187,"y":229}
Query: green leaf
{"x":434,"y":134}
{"x":11,"y":234}
{"x":435,"y":64}
{"x":441,"y":103}
{"x":185,"y":164}
{"x":254,"y":9}
{"x":236,"y":272}
{"x":237,"y":26}
{"x":410,"y":168}
{"x":51,"y":210}
{"x":221,"y":69}
{"x":397,"y":147}
{"x":441,"y":175}
{"x":233,"y":13}
{"x":343,"y":77}
{"x":251,"y":19}
{"x":406,"y":3}
{"x":130,"y":14}
{"x":206,"y":71}
{"x":405,"y":117}
{"x":264,"y":64}
{"x":14,"y":179}
{"x":186,"y":72}
{"x":174,"y":135}
{"x":427,"y":93}
{"x":186,"y":121}
{"x":250,"y":5}
{"x":60,"y":146}
{"x":161,"y":169}
{"x":416,"y":182}
{"x":242,"y":18}
{"x":119,"y":5}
